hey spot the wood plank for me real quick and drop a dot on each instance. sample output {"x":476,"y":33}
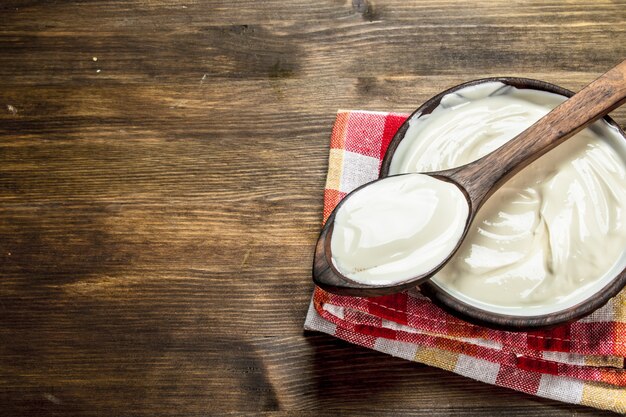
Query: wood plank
{"x":322,"y":44}
{"x":195,"y":374}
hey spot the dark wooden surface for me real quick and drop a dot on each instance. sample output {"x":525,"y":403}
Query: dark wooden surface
{"x":159,"y":205}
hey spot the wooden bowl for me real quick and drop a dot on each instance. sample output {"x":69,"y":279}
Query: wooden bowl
{"x":475,"y":314}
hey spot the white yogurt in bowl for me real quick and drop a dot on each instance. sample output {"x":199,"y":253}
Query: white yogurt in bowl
{"x":551,"y":236}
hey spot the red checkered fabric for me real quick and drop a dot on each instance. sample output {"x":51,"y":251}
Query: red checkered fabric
{"x":581,"y":363}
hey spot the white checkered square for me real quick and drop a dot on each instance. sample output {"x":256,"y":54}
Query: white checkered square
{"x":478,"y":369}
{"x":560,"y":388}
{"x":562,"y":357}
{"x":492,"y":344}
{"x":334,"y":310}
{"x":388,"y":324}
{"x":603,"y":314}
{"x":314,"y":321}
{"x":358,"y":170}
{"x":395,"y":348}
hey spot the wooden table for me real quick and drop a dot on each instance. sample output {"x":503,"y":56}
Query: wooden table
{"x":161,"y":174}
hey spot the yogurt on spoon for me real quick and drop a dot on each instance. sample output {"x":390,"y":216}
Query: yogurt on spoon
{"x":398,"y":228}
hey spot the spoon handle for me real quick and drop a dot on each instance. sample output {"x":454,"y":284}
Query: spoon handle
{"x":484,"y":176}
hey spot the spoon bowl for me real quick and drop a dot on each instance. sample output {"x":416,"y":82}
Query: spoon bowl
{"x":327,"y":276}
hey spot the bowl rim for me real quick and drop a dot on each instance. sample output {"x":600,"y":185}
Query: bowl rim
{"x":474,"y":314}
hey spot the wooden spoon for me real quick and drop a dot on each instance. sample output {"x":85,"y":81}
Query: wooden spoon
{"x":480,"y":179}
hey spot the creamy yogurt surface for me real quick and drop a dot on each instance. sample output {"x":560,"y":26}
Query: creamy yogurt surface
{"x":397,"y":228}
{"x":552,"y":235}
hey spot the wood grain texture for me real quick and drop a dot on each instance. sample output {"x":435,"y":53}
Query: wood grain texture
{"x":159,"y":206}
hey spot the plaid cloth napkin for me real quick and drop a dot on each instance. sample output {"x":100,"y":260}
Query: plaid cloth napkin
{"x":580,"y":363}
